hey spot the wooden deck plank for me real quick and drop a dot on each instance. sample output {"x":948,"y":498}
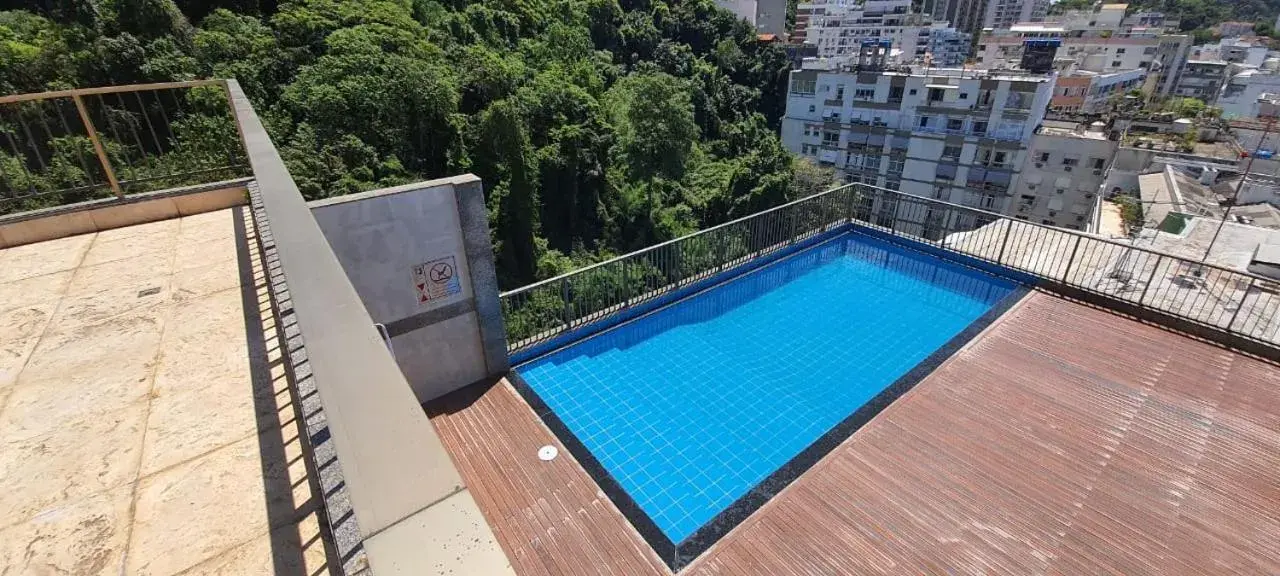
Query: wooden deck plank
{"x":1063,"y":440}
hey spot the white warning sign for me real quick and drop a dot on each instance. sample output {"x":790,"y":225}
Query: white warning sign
{"x":437,"y":279}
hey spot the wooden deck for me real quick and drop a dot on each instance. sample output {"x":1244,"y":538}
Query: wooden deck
{"x":1063,"y":440}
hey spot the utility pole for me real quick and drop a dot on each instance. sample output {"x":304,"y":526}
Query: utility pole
{"x":1247,"y":166}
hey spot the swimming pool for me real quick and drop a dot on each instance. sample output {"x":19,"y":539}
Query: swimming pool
{"x":692,"y":407}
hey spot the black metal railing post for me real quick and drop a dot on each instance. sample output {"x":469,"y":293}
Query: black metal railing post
{"x":1008,"y":231}
{"x":1066,"y":273}
{"x":1240,"y":306}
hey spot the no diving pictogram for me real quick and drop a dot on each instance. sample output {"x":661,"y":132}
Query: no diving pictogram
{"x":441,"y":272}
{"x":436,"y":279}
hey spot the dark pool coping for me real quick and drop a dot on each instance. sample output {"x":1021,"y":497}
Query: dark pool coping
{"x":677,"y":555}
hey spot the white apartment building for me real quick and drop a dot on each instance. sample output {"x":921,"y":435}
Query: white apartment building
{"x":1153,"y":20}
{"x":838,"y":27}
{"x":1062,"y":175}
{"x":951,"y":134}
{"x":1233,"y":50}
{"x":1244,"y":94}
{"x":768,"y":16}
{"x":1109,"y":53}
{"x":1006,"y":13}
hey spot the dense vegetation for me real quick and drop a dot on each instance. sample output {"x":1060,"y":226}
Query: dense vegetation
{"x":598,"y":126}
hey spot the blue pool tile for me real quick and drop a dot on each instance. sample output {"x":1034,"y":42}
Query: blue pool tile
{"x":690,"y":407}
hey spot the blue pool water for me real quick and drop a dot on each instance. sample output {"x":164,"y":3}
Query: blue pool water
{"x":691,"y":406}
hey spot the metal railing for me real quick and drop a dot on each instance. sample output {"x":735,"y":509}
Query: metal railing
{"x":1234,"y":302}
{"x":74,"y":145}
{"x":541,"y":311}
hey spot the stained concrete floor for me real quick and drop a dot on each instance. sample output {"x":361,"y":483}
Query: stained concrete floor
{"x":145,"y":422}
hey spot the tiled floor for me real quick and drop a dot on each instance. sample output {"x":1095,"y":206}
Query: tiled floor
{"x":145,"y":424}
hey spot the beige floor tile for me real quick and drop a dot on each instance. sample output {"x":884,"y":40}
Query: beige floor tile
{"x":204,"y":508}
{"x":74,"y":375}
{"x":209,"y":224}
{"x":286,"y":550}
{"x":44,"y":257}
{"x":33,"y":290}
{"x":213,"y":276}
{"x":76,"y":460}
{"x":157,"y":229}
{"x":204,"y":394}
{"x":98,"y":293}
{"x":84,"y":538}
{"x":132,"y":242}
{"x":20,"y":330}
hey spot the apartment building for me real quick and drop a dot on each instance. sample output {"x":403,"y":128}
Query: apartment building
{"x":964,"y":15}
{"x":1233,"y":50}
{"x":838,"y":29}
{"x":1155,"y":54}
{"x":1062,"y":175}
{"x":1202,"y":79}
{"x":768,"y":16}
{"x":1091,"y":92}
{"x":1153,"y":20}
{"x":951,"y":134}
{"x":1006,"y":13}
{"x":1244,"y":94}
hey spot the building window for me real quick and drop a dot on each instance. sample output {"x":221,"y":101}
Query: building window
{"x":811,"y":108}
{"x":831,"y":138}
{"x":895,"y":93}
{"x":1044,"y":157}
{"x":839,"y":92}
{"x":896,"y":165}
{"x":1149,"y":51}
{"x":1098,"y":163}
{"x":802,"y":86}
{"x":964,"y":95}
{"x":951,"y":152}
{"x":1000,"y":157}
{"x":924,"y":121}
{"x":1119,"y":51}
{"x":936,"y":94}
{"x":912,"y":92}
{"x":955,"y":124}
{"x":980,"y":128}
{"x":1115,"y":63}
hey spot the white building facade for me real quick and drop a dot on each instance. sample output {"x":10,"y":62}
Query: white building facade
{"x":1062,"y":175}
{"x":1246,"y":92}
{"x":838,"y":27}
{"x":955,"y":135}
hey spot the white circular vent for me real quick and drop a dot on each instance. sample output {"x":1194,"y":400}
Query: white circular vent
{"x":548,"y":453}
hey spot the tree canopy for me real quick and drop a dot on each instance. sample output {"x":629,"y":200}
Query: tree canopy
{"x":598,"y":126}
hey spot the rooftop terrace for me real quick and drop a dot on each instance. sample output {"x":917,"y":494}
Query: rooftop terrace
{"x":200,"y":381}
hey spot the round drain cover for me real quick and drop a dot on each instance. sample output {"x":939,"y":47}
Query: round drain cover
{"x":547,"y":453}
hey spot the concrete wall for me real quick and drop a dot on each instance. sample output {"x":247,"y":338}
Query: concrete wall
{"x":419,"y":256}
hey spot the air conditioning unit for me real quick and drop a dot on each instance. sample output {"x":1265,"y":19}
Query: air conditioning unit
{"x":1097,"y":171}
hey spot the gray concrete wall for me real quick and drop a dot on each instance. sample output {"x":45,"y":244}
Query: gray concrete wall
{"x":419,"y":256}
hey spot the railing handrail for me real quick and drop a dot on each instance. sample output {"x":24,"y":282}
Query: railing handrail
{"x":1071,"y":232}
{"x":646,"y":249}
{"x":30,"y":96}
{"x":996,"y":216}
